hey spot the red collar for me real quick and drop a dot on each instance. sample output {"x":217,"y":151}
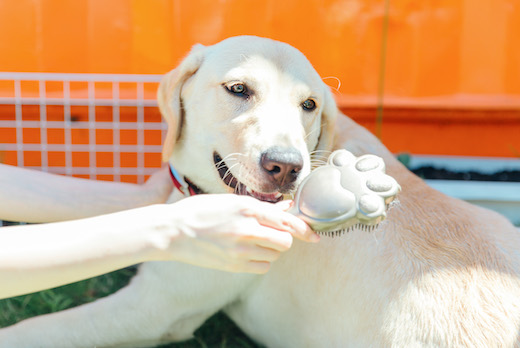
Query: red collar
{"x":185,"y":186}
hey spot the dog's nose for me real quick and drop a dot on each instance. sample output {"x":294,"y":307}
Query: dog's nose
{"x":282,"y":165}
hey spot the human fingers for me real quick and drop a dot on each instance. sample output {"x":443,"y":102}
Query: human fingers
{"x":271,"y":215}
{"x":273,"y":239}
{"x":309,"y":235}
{"x":258,"y":267}
{"x":285,"y":204}
{"x":268,"y":237}
{"x":254,"y":252}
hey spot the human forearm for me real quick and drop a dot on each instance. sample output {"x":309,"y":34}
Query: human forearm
{"x":37,"y":257}
{"x":33,"y":196}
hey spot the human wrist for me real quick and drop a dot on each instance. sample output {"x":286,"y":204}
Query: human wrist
{"x":162,"y":234}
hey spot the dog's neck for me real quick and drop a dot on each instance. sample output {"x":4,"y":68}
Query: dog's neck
{"x":183,"y":184}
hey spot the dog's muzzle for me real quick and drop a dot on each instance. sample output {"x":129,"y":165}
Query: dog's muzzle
{"x":282,"y":166}
{"x":238,"y":187}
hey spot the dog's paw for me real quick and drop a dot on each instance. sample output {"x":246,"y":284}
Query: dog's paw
{"x":346,"y":191}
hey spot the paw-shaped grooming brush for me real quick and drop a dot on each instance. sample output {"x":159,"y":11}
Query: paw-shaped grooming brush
{"x":349,"y":192}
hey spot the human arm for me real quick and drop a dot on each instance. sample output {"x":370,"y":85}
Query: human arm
{"x":33,"y":196}
{"x":225,"y":232}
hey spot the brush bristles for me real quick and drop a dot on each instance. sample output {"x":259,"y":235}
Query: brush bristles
{"x":360,"y":226}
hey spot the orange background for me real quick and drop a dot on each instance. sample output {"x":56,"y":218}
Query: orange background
{"x":450,"y":74}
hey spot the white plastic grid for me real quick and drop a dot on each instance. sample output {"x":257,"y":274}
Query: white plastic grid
{"x":141,"y":100}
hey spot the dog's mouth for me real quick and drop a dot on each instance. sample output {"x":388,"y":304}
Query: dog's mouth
{"x":238,"y":187}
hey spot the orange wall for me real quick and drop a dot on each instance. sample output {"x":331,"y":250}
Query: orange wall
{"x":435,"y":47}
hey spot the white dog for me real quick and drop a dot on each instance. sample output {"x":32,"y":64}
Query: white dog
{"x":438,"y":272}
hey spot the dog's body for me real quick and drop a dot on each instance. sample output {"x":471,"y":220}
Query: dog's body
{"x":438,"y":272}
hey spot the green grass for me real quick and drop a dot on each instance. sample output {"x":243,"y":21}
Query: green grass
{"x":218,"y":331}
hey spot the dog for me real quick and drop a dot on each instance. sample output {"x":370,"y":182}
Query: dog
{"x":438,"y":272}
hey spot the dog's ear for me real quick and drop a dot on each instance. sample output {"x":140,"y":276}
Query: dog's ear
{"x":169,"y":96}
{"x":329,"y":115}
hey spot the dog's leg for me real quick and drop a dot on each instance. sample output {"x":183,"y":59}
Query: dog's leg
{"x":165,"y":302}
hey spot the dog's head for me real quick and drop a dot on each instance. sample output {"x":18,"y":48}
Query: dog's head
{"x":244,"y":116}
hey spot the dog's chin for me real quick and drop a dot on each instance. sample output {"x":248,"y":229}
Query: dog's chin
{"x":238,"y":187}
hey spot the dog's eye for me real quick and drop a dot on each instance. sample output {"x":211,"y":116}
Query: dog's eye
{"x":238,"y":88}
{"x":309,"y":105}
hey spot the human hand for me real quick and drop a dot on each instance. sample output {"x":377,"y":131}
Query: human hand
{"x":233,"y":233}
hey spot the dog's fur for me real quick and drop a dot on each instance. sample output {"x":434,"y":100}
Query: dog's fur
{"x":438,"y":272}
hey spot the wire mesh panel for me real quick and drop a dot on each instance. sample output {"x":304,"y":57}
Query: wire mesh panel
{"x":97,"y":126}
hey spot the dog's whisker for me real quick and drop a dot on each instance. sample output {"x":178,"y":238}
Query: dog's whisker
{"x":240,"y":171}
{"x":324,"y":153}
{"x":236,"y":189}
{"x":318,"y":163}
{"x":228,"y":172}
{"x":232,"y":156}
{"x":221,"y":165}
{"x":229,"y":161}
{"x":328,"y":152}
{"x":312,"y":131}
{"x":319,"y":157}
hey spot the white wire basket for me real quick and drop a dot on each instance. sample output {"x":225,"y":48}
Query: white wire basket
{"x":97,"y":126}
